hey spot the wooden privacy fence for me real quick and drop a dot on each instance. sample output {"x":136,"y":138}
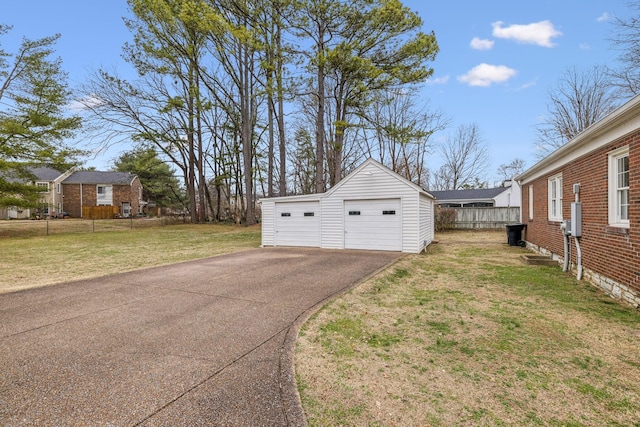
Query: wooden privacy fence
{"x":488,"y":218}
{"x":100,"y":212}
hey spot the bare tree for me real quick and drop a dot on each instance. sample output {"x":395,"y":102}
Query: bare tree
{"x":507,"y":171}
{"x":626,"y":39}
{"x":402,"y":132}
{"x":580,"y":99}
{"x":465,"y":160}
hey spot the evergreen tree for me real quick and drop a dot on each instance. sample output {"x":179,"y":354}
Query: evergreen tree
{"x":33,"y":121}
{"x":158,"y":180}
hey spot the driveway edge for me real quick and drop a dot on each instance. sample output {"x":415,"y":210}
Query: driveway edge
{"x":289,"y":394}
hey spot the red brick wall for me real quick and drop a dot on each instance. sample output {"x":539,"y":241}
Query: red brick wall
{"x":121,"y":193}
{"x":126,"y":193}
{"x":611,"y":252}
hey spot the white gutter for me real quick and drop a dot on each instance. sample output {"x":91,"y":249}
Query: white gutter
{"x":624,"y":120}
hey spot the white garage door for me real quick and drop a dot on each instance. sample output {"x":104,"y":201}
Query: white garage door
{"x":373,"y":224}
{"x":297,"y":224}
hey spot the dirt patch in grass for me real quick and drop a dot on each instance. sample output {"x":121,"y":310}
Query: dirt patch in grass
{"x":467,"y":335}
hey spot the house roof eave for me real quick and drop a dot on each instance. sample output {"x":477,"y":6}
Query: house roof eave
{"x":620,"y":122}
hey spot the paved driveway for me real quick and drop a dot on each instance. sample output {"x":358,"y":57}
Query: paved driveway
{"x":207,"y":342}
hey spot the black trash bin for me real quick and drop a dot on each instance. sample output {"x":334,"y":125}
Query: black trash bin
{"x":514,"y":234}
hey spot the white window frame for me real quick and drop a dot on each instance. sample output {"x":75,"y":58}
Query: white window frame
{"x":617,"y":189}
{"x":554,"y":197}
{"x":531,"y":201}
{"x":42,"y":186}
{"x":104,"y":198}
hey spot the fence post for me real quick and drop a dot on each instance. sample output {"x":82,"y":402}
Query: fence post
{"x":47,"y":227}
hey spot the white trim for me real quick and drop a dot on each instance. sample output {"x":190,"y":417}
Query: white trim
{"x":44,"y":185}
{"x":531,"y":201}
{"x":554,"y":197}
{"x":621,"y":122}
{"x":613,"y":198}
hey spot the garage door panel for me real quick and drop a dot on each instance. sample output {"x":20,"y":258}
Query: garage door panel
{"x":297,"y":224}
{"x":373,"y":224}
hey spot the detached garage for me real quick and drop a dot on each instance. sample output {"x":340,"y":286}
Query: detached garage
{"x":372,"y":208}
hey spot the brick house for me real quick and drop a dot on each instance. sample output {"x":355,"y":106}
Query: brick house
{"x":121,"y":190}
{"x":600,"y":170}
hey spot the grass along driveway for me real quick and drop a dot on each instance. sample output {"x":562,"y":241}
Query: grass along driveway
{"x":38,"y":261}
{"x":467,"y":335}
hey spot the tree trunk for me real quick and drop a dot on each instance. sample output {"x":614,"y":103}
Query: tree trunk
{"x":281,"y":132}
{"x":246,"y":132}
{"x":320,"y":186}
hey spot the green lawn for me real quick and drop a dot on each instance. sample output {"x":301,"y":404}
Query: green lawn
{"x":43,"y":260}
{"x":467,"y":335}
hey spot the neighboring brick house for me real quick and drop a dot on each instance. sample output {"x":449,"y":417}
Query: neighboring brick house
{"x":121,"y":190}
{"x":604,"y":161}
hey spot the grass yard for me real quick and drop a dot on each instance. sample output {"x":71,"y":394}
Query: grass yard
{"x":467,"y":335}
{"x":38,"y":261}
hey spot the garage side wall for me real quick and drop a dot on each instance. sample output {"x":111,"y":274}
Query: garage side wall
{"x":268,"y":216}
{"x":370,"y":183}
{"x":426,"y":221}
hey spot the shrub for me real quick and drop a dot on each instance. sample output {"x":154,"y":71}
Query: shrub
{"x":444,"y":218}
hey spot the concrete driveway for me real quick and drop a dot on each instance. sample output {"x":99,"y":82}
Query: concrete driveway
{"x":207,"y":342}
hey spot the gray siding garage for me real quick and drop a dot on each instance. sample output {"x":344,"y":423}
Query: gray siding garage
{"x":372,"y":208}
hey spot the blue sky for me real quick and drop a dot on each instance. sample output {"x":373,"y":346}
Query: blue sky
{"x":497,"y":60}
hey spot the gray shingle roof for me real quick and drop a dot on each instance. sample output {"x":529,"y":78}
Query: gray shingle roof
{"x":98,"y":177}
{"x":42,"y":173}
{"x":45,"y":173}
{"x":474,"y":194}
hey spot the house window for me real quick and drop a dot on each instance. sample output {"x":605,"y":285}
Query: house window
{"x":388,"y":212}
{"x":309,"y":214}
{"x":619,"y":187}
{"x":58,"y":188}
{"x":285,"y":214}
{"x":43,"y":187}
{"x":104,"y":195}
{"x":352,"y":213}
{"x":555,"y":198}
{"x":531,"y":202}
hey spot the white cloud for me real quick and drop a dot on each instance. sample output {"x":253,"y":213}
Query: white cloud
{"x":481,"y":44}
{"x":485,"y":75}
{"x":606,"y":16}
{"x":527,"y":85}
{"x":538,"y":33}
{"x":84,"y":104}
{"x":439,"y":80}
{"x":584,"y":46}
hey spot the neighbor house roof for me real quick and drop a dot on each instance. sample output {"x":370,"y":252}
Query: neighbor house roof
{"x":41,"y":173}
{"x":45,"y":173}
{"x":472,"y":195}
{"x":98,"y":177}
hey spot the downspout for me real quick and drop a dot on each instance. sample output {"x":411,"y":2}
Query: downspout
{"x":81,"y":200}
{"x":578,"y":258}
{"x":577,"y":226}
{"x":565,"y":235}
